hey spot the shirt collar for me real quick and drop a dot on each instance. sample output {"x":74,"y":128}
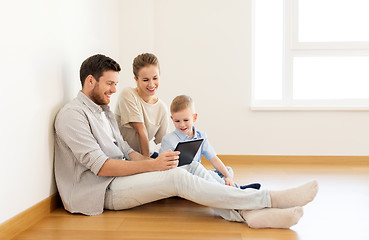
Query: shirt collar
{"x":90,"y":104}
{"x":184,"y":137}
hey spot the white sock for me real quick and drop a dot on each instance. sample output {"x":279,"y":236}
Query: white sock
{"x":299,"y":196}
{"x":272,"y":217}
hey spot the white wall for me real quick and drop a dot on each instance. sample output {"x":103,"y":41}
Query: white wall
{"x":204,"y":48}
{"x":42,"y":45}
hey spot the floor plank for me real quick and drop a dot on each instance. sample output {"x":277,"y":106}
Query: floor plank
{"x":340,"y":211}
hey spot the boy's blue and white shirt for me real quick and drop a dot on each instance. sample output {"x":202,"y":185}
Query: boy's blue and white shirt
{"x":171,"y":140}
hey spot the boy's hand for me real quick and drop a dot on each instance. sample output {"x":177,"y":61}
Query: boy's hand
{"x":167,"y":160}
{"x":229,"y":181}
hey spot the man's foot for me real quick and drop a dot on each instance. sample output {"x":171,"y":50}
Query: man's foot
{"x":298,"y":196}
{"x":272,"y":217}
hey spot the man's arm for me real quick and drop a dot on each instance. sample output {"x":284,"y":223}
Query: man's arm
{"x":139,"y":164}
{"x":142,"y":137}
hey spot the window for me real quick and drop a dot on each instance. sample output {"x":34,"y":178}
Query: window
{"x":310,"y":54}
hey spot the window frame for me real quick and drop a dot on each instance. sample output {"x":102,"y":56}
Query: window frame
{"x":294,"y":48}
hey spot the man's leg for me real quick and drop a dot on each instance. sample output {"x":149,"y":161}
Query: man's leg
{"x":198,"y":169}
{"x":135,"y":190}
{"x":273,"y":217}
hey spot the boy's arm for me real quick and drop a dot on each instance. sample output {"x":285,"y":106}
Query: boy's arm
{"x":218,"y":165}
{"x":209,"y":153}
{"x":168,"y":143}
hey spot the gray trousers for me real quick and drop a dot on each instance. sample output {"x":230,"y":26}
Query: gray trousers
{"x":192,"y":182}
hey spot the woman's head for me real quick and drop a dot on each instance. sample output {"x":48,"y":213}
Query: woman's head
{"x":144,"y":60}
{"x":147,"y":75}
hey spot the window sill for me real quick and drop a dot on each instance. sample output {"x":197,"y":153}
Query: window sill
{"x":308,"y":108}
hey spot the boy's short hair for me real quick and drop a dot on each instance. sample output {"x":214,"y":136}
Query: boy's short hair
{"x":182,"y":102}
{"x":96,"y":65}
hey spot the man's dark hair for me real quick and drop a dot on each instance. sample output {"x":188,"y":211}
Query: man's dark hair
{"x":96,"y":65}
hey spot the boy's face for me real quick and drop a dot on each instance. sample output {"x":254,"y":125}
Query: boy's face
{"x":184,"y":121}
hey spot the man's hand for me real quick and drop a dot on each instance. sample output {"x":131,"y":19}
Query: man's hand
{"x":139,"y":164}
{"x":229,"y":181}
{"x":167,"y":160}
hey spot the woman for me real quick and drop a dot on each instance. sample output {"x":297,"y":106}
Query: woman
{"x":142,"y":116}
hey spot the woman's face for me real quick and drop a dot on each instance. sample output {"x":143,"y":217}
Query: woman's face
{"x":148,"y":80}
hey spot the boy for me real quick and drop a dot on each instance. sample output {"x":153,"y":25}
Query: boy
{"x":184,"y":116}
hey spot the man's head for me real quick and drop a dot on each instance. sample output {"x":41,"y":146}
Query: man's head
{"x":183,"y":114}
{"x":99,"y":77}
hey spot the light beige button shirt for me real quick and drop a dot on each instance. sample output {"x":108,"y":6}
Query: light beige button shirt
{"x":81,"y":148}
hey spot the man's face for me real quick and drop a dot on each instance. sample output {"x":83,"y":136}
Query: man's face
{"x":104,"y":88}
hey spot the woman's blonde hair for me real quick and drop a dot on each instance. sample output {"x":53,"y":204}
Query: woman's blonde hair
{"x":144,"y":60}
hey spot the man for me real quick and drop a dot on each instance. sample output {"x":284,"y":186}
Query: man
{"x":88,"y":143}
{"x":96,"y":169}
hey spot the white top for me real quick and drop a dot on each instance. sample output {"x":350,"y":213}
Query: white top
{"x":107,"y":127}
{"x":132,"y":108}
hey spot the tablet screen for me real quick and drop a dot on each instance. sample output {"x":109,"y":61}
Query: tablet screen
{"x":188,"y":151}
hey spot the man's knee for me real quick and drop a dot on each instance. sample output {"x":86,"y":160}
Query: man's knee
{"x":178,"y":176}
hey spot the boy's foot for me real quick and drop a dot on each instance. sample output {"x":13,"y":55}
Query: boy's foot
{"x":298,"y":196}
{"x":252,"y":185}
{"x":272,"y":217}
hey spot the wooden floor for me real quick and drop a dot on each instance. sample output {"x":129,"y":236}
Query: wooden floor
{"x":340,"y":211}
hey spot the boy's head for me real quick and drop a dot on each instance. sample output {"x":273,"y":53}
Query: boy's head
{"x":183,"y":114}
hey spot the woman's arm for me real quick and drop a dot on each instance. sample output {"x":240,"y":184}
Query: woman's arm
{"x":143,"y":137}
{"x":163,"y":129}
{"x":218,"y":165}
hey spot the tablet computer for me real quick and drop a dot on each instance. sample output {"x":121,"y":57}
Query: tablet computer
{"x":188,"y":151}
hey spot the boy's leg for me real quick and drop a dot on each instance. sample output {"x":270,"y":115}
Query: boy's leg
{"x":229,"y":169}
{"x":220,"y":178}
